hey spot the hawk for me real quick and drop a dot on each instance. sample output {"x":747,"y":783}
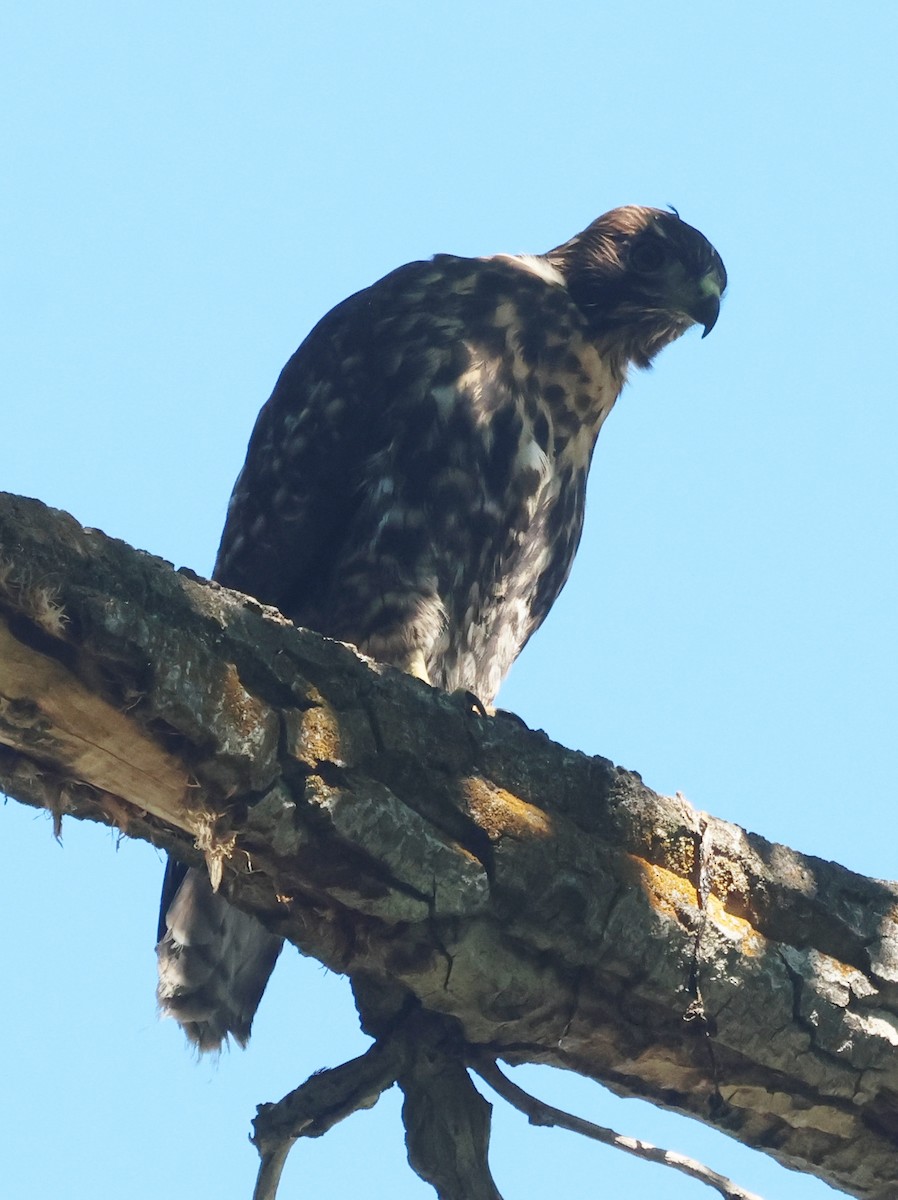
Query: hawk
{"x":415,"y":485}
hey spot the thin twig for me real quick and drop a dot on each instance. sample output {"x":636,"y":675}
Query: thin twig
{"x":269,"y":1177}
{"x":318,"y":1104}
{"x":540,"y":1113}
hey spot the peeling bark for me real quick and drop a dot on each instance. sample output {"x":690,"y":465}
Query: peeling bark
{"x":548,"y":903}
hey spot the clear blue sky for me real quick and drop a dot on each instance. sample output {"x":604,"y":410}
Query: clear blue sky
{"x":187,"y":189}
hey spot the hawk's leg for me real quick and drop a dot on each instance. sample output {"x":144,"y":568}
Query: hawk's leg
{"x":417,"y":666}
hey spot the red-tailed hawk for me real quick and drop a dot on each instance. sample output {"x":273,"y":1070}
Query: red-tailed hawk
{"x":415,"y":486}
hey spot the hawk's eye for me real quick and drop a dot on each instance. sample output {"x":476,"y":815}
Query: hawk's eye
{"x":648,"y":256}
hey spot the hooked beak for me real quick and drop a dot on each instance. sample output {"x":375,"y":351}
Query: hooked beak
{"x":705,"y":312}
{"x":705,"y":308}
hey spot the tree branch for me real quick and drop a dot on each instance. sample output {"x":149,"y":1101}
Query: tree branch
{"x":549,"y":903}
{"x":325,"y":1099}
{"x":540,"y":1113}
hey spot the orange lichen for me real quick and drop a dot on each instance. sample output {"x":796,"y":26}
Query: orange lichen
{"x":750,"y":941}
{"x":727,"y":880}
{"x":676,"y":897}
{"x":244,"y":711}
{"x":681,"y":853}
{"x":315,"y":736}
{"x":666,"y":891}
{"x":500,"y":813}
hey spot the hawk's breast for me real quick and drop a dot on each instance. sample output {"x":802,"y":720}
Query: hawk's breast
{"x":523,"y":496}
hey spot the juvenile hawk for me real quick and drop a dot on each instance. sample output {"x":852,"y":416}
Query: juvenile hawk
{"x":415,"y":486}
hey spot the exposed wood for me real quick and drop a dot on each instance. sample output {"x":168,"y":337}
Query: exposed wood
{"x":90,"y":739}
{"x":548,"y":902}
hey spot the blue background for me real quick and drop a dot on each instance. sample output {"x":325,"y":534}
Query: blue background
{"x":187,"y":189}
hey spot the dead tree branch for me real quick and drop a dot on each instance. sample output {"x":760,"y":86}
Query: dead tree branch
{"x":549,"y":904}
{"x":320,"y":1103}
{"x":540,"y":1113}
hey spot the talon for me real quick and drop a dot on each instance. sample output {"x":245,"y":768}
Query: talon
{"x":476,"y":705}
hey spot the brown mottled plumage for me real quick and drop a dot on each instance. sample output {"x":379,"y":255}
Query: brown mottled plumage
{"x":415,"y":485}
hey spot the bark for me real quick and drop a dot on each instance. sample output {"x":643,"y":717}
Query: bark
{"x":546,"y":904}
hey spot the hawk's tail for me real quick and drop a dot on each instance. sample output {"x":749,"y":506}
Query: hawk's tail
{"x":214,"y":960}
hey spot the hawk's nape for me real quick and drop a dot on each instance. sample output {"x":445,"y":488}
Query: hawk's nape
{"x":415,"y":485}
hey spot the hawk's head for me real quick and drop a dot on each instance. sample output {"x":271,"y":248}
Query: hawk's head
{"x":642,"y":277}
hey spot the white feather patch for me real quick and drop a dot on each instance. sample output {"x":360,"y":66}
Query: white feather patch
{"x":536,"y":265}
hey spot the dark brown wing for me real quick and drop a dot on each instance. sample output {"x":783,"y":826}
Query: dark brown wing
{"x":299,"y":484}
{"x":354,"y":387}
